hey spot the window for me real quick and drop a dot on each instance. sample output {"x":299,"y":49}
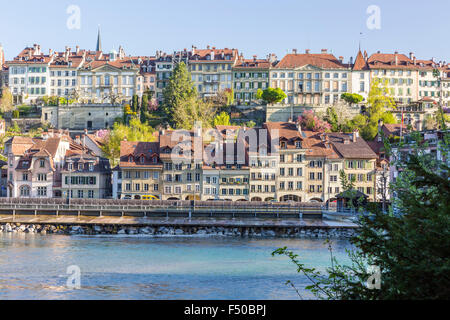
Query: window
{"x":91,"y":194}
{"x":24,"y":191}
{"x":42,"y":191}
{"x":42,"y":163}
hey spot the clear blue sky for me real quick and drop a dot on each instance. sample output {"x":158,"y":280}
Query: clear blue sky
{"x":253,"y":26}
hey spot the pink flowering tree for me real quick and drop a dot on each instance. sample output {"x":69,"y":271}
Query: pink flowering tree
{"x":309,"y":121}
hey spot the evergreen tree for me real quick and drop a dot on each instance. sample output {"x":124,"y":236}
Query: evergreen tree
{"x":179,"y":89}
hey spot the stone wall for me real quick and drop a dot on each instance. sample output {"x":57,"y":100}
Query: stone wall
{"x":279,"y":232}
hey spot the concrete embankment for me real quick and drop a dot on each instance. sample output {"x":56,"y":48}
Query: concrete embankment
{"x":291,"y":228}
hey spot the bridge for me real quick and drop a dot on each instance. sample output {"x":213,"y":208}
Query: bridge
{"x":158,"y":208}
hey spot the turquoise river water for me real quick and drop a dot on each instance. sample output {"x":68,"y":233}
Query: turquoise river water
{"x":138,"y":267}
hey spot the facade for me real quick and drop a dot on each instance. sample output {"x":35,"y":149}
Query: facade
{"x":89,"y":116}
{"x":211,"y":69}
{"x":249,"y":75}
{"x":311,"y":79}
{"x":34,"y":165}
{"x":85,"y":176}
{"x":139,"y":171}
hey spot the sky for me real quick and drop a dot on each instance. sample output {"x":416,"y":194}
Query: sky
{"x":255,"y":27}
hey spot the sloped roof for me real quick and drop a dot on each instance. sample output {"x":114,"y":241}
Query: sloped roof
{"x":320,"y":60}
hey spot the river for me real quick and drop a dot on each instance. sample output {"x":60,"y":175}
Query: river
{"x":34,"y":266}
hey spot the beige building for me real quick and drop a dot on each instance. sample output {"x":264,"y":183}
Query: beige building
{"x":181,"y":176}
{"x":311,"y":79}
{"x":211,"y":69}
{"x":291,"y":163}
{"x":140,"y":171}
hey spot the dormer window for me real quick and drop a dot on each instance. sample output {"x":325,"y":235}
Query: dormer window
{"x":80,"y":166}
{"x":298,"y":144}
{"x":283,"y":145}
{"x":70,"y":166}
{"x":91,"y":167}
{"x":155,"y":159}
{"x":130,"y":159}
{"x":142,"y":159}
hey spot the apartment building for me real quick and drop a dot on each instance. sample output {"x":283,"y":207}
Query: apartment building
{"x":139,"y":172}
{"x":263,"y":163}
{"x":113,"y":78}
{"x":85,"y":176}
{"x":29,"y":74}
{"x":249,"y":75}
{"x":35,"y":164}
{"x":291,"y":163}
{"x":211,"y":69}
{"x":182,"y":173}
{"x":311,"y":79}
{"x":234,"y":173}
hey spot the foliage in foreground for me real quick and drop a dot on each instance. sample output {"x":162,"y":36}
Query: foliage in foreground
{"x":410,"y":245}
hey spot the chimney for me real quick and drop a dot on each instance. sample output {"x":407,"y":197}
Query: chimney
{"x":411,"y":55}
{"x":294,"y":51}
{"x":324,"y":51}
{"x":299,"y":127}
{"x":212,"y":55}
{"x":50,"y":51}
{"x":307,"y":51}
{"x":208,"y":47}
{"x":77,"y":49}
{"x":354,"y":136}
{"x":396,"y":59}
{"x":254,"y":58}
{"x":351,"y":60}
{"x":341,"y":59}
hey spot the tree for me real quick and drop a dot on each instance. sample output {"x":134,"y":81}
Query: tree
{"x":179,"y":89}
{"x":6,"y":101}
{"x":308,"y":120}
{"x":410,"y":245}
{"x":190,"y":110}
{"x":271,"y":95}
{"x":388,"y":117}
{"x":135,"y":103}
{"x":145,"y":103}
{"x":332,"y":118}
{"x":135,"y":131}
{"x":352,"y":98}
{"x":222,"y":119}
{"x":259,"y":94}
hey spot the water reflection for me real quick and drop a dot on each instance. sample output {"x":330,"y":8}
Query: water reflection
{"x":34,"y":267}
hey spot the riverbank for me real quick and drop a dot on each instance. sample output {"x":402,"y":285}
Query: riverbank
{"x":305,"y":231}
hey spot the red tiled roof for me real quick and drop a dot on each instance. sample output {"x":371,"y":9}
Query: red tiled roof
{"x":321,"y":60}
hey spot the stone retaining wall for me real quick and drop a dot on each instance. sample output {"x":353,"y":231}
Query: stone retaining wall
{"x":283,"y":232}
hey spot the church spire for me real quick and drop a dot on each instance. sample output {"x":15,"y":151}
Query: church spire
{"x":99,"y":41}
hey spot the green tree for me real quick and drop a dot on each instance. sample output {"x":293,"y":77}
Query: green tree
{"x":222,"y":119}
{"x":352,"y":98}
{"x":388,"y":117}
{"x":192,"y":109}
{"x":259,"y":94}
{"x":16,"y":114}
{"x":271,"y":95}
{"x":179,"y":89}
{"x":144,"y":102}
{"x":135,"y":131}
{"x":6,"y":101}
{"x":135,"y":103}
{"x":410,"y":245}
{"x":332,"y":118}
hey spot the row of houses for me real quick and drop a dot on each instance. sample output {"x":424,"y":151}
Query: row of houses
{"x":308,"y":79}
{"x":276,"y":162}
